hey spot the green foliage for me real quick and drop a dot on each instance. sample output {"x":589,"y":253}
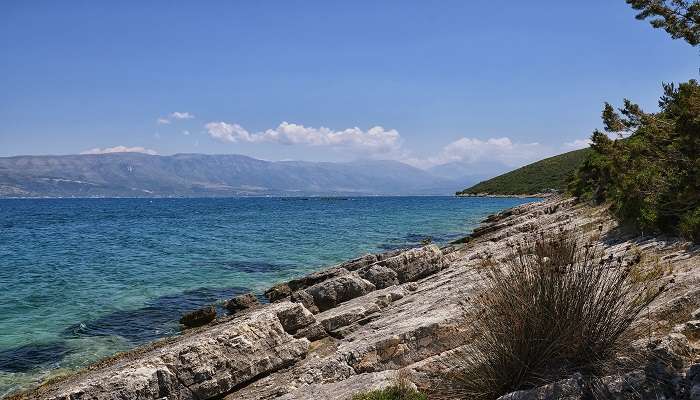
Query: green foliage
{"x":391,"y":393}
{"x":650,"y":173}
{"x":680,"y":18}
{"x":545,"y":175}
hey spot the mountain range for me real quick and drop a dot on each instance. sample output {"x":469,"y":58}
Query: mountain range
{"x":200,"y":175}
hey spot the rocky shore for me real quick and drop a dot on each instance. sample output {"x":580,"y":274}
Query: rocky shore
{"x":353,"y":326}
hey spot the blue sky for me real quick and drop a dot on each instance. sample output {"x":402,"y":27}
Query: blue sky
{"x":478,"y":82}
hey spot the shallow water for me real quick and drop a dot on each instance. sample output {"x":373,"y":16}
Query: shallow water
{"x":82,"y":279}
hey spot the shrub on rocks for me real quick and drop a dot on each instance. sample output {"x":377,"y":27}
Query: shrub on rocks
{"x":402,"y":389}
{"x":553,"y":308}
{"x":391,"y":393}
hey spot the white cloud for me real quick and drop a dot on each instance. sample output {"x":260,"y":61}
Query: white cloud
{"x":578,"y":144}
{"x":375,"y":140}
{"x":186,"y":133}
{"x":493,"y":151}
{"x":120,"y":149}
{"x":378,"y":142}
{"x":174,"y":115}
{"x":181,"y":115}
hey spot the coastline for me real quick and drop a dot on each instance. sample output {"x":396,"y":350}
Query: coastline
{"x":352,"y":326}
{"x":515,"y":196}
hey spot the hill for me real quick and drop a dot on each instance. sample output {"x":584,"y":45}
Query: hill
{"x":200,"y":175}
{"x":542,"y":176}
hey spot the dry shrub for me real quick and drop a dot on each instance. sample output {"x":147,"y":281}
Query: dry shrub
{"x":554,"y":307}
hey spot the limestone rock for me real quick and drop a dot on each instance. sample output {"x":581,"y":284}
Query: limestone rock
{"x":344,"y":389}
{"x":369,"y":259}
{"x":303,"y":297}
{"x":199,"y":317}
{"x":567,"y":389}
{"x":312,"y":332}
{"x":204,"y":364}
{"x":415,"y":264}
{"x":380,"y":276}
{"x":278,"y":292}
{"x":242,"y":302}
{"x":332,"y":292}
{"x":294,"y":318}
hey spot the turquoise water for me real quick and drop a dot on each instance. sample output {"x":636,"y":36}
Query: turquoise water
{"x":81,"y":279}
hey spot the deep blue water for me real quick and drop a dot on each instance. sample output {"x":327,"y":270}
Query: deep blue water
{"x":81,"y":279}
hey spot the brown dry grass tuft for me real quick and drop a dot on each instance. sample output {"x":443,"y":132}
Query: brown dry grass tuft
{"x":554,"y":307}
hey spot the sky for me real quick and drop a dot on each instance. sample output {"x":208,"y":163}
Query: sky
{"x":477,"y":82}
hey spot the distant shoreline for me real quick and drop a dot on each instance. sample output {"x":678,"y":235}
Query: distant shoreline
{"x":518,"y":196}
{"x":329,"y":197}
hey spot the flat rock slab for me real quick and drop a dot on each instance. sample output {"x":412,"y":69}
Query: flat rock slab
{"x":205,"y":364}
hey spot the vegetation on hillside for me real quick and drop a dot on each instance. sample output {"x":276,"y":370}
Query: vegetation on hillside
{"x":539,"y":177}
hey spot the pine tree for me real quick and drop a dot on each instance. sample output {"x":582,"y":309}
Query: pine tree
{"x":680,"y":18}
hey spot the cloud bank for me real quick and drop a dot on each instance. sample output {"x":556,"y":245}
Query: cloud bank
{"x":376,"y":140}
{"x":120,"y":149}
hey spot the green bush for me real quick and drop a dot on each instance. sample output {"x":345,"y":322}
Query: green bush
{"x":650,"y":173}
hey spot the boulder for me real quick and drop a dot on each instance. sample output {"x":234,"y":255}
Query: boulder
{"x":242,"y":302}
{"x":312,"y":332}
{"x":305,"y":299}
{"x":380,"y":276}
{"x":199,"y":317}
{"x":295,"y":318}
{"x":414,"y":264}
{"x":283,"y":290}
{"x":278,"y":292}
{"x":369,"y":259}
{"x":566,"y":389}
{"x":332,"y":292}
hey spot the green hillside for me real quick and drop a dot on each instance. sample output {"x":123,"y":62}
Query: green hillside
{"x":538,"y":177}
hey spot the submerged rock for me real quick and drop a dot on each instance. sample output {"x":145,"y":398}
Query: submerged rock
{"x":199,"y":317}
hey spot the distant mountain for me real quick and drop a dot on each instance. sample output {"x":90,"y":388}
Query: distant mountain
{"x":542,"y":176}
{"x":199,"y":175}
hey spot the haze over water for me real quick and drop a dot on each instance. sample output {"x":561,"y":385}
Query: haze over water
{"x":82,"y":279}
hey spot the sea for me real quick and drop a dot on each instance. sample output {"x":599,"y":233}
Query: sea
{"x":83,"y":279}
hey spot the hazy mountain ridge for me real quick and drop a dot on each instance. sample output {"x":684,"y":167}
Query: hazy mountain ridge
{"x":195,"y":175}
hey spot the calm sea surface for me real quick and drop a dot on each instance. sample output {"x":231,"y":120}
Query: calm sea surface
{"x":81,"y":279}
